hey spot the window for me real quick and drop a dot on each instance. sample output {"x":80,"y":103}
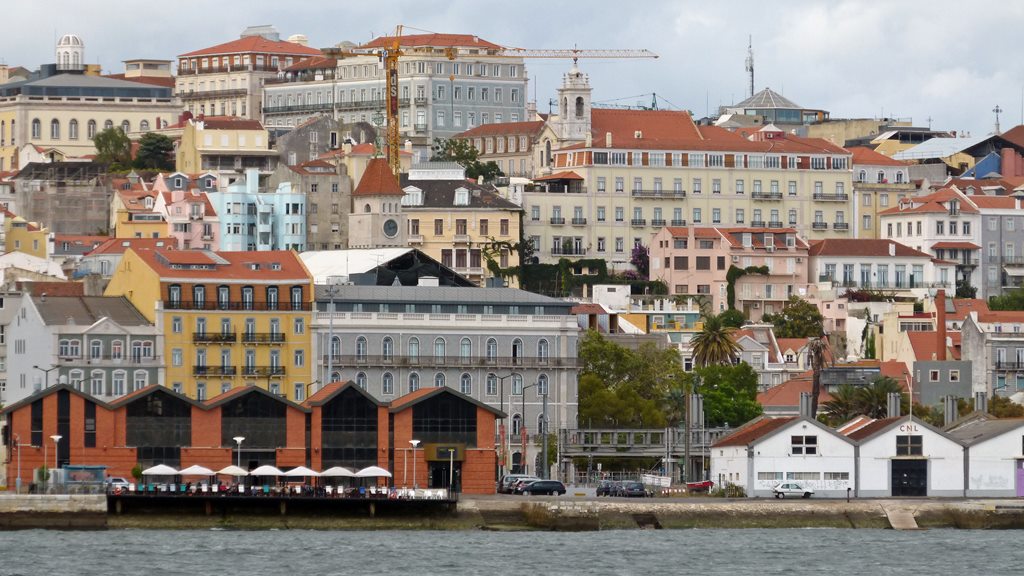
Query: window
{"x":909,"y":445}
{"x":387,"y":384}
{"x":466,"y":384}
{"x":414,"y":382}
{"x":492,"y":384}
{"x":439,"y":380}
{"x":805,"y":445}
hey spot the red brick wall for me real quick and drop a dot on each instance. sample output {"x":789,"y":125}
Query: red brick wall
{"x":291,"y":457}
{"x":478,"y":471}
{"x":212,"y":458}
{"x":295,"y":429}
{"x":382,"y":438}
{"x":206,"y":429}
{"x":316,"y":442}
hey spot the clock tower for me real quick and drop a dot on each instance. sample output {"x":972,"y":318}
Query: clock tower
{"x":376,"y":219}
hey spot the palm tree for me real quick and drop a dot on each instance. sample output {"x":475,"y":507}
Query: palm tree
{"x":873,"y":399}
{"x":818,"y":354}
{"x":714,"y":344}
{"x":844,"y":405}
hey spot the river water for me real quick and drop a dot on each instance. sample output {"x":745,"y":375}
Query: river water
{"x":831,"y":552}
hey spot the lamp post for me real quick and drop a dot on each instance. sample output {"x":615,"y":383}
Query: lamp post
{"x":18,"y":445}
{"x":238,"y":452}
{"x":541,"y":430}
{"x":56,"y":444}
{"x":414,"y":443}
{"x":451,"y":471}
{"x":333,"y":287}
{"x":46,"y":374}
{"x":501,"y":429}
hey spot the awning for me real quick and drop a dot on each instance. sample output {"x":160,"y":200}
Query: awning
{"x":338,"y":472}
{"x":373,"y":472}
{"x":568,"y":175}
{"x":301,"y":472}
{"x":955,"y":246}
{"x":1014,"y":271}
{"x":160,"y":470}
{"x":266,"y":470}
{"x":233,"y":471}
{"x":196,"y":470}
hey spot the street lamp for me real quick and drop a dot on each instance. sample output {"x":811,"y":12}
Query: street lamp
{"x":56,"y":444}
{"x":238,"y":458}
{"x":451,"y":471}
{"x":333,"y":287}
{"x":18,"y":445}
{"x":501,"y":429}
{"x":414,"y":443}
{"x":542,"y":431}
{"x":46,"y":373}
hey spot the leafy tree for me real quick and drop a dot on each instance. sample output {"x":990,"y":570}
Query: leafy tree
{"x":732,"y":318}
{"x":799,"y":319}
{"x":601,"y":405}
{"x":113,"y":148}
{"x":730,"y":394}
{"x":819,"y":355}
{"x":872,"y":401}
{"x":869,"y":348}
{"x":641,"y":260}
{"x":714,"y":344}
{"x":137,"y":472}
{"x":965,"y":290}
{"x":1011,"y":300}
{"x":467,"y":156}
{"x":155,"y":151}
{"x":1003,"y":407}
{"x":843,"y":407}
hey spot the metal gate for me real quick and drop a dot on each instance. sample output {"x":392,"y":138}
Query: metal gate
{"x":909,"y":477}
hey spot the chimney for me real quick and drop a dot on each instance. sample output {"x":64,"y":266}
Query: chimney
{"x":805,"y":404}
{"x":950,"y":411}
{"x":940,"y":324}
{"x":980,"y":402}
{"x":589,"y":140}
{"x":347,"y":147}
{"x":408,"y":146}
{"x":607,"y":139}
{"x":892,"y":405}
{"x":892,"y":248}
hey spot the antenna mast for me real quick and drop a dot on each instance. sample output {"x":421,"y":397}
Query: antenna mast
{"x":750,"y":62}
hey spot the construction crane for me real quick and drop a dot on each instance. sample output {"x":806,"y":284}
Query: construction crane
{"x":393,"y":50}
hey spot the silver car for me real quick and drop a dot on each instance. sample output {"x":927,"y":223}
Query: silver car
{"x":791,"y":489}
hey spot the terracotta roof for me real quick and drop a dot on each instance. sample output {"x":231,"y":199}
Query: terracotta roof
{"x":698,"y":232}
{"x":794,"y":344}
{"x":932,"y":203}
{"x":228,"y":123}
{"x":753,"y":431}
{"x":228,"y":266}
{"x":1015,"y":135}
{"x":955,"y":246}
{"x":504,"y":129}
{"x":873,"y":428}
{"x":378,"y":180}
{"x":788,"y":393}
{"x":925,"y":345}
{"x":588,"y":309}
{"x":993,"y":202}
{"x":52,"y":288}
{"x":134,"y":200}
{"x":78,"y":241}
{"x":565,"y":175}
{"x":864,"y":156}
{"x":863,"y":247}
{"x":192,"y":195}
{"x":1001,"y":316}
{"x":164,"y":81}
{"x":964,"y":306}
{"x":433,"y":40}
{"x":313,"y":63}
{"x":256,"y":45}
{"x":121,"y":245}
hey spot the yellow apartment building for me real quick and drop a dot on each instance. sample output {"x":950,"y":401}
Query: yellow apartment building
{"x":225,"y":145}
{"x":24,"y":236}
{"x":133,"y":214}
{"x":229,"y":319}
{"x":460,"y":223}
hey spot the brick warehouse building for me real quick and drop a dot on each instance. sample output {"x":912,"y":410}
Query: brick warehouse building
{"x":340,"y":425}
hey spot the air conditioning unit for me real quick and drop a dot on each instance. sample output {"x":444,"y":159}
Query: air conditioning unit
{"x":735,"y":258}
{"x":756,"y":305}
{"x":799,"y":259}
{"x":770,"y":248}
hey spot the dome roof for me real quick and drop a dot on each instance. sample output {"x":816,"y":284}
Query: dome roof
{"x":70,"y":40}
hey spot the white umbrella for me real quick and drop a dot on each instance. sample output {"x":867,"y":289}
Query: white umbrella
{"x":338,"y":472}
{"x":301,"y":472}
{"x":196,"y":470}
{"x":373,"y":472}
{"x":160,"y":470}
{"x":233,"y":471}
{"x":266,"y":470}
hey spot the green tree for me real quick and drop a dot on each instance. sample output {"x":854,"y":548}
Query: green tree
{"x":869,"y":347}
{"x":799,"y":319}
{"x":466,"y":155}
{"x":113,"y":148}
{"x":843,"y":407}
{"x":818,"y":355}
{"x":1003,"y":407}
{"x":873,"y":399}
{"x":965,"y":290}
{"x":730,"y":394}
{"x":1011,"y":300}
{"x":732,"y":318}
{"x":714,"y":344}
{"x":155,"y":151}
{"x":601,"y":405}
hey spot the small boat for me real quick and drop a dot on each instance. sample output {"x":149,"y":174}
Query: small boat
{"x":703,"y":486}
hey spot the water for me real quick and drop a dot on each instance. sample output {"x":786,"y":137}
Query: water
{"x":835,"y":552}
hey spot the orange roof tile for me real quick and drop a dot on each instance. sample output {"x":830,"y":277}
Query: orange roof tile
{"x":863,"y":247}
{"x":788,"y":393}
{"x":255,"y":45}
{"x":864,"y":156}
{"x":432,"y":40}
{"x":121,"y":245}
{"x":229,"y":266}
{"x":229,"y":123}
{"x":164,"y":81}
{"x":754,"y":430}
{"x":955,"y":246}
{"x":993,"y":202}
{"x":314,"y":62}
{"x":378,"y":180}
{"x":504,"y":129}
{"x":873,"y":428}
{"x":1001,"y":316}
{"x":794,"y":344}
{"x":565,"y":175}
{"x":964,"y":306}
{"x":925,"y":345}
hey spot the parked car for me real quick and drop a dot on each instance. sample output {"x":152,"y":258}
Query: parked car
{"x":506,"y":482}
{"x":783,"y":489}
{"x":634,"y":490}
{"x":608,"y":488}
{"x":518,"y":485}
{"x":115,"y":482}
{"x":550,"y":487}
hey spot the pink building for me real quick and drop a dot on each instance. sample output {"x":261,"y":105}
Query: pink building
{"x":696,"y":261}
{"x":191,"y":218}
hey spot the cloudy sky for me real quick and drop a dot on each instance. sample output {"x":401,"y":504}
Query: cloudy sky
{"x":946,"y":60}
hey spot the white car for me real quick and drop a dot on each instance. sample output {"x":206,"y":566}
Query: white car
{"x":783,"y":489}
{"x":117,"y":482}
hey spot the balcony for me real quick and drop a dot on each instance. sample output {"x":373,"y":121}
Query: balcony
{"x":757,"y":223}
{"x":819,"y":226}
{"x":830,"y":197}
{"x":258,"y":306}
{"x":658,"y":222}
{"x":214,"y":337}
{"x":263,"y":371}
{"x":638,"y":222}
{"x":199,"y":370}
{"x":679,"y":223}
{"x":841,"y":226}
{"x":340,"y":106}
{"x":461,"y":238}
{"x":966,"y":262}
{"x":1008,"y":365}
{"x":117,"y":359}
{"x":420,"y":127}
{"x":579,"y":221}
{"x":774,"y":224}
{"x":638,"y":193}
{"x":263,"y":337}
{"x":415,"y":239}
{"x":342,"y":360}
{"x":469,"y":270}
{"x":208,"y":94}
{"x":557,"y":220}
{"x":766,"y":195}
{"x":568,"y":251}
